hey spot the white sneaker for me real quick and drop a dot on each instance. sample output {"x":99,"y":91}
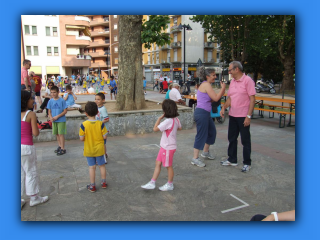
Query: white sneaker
{"x":208,"y":155}
{"x":198,"y":162}
{"x":39,"y":200}
{"x":166,"y":187}
{"x":23,"y":202}
{"x":245,"y":168}
{"x":149,"y":185}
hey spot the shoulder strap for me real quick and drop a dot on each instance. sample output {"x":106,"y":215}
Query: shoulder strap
{"x":25,"y":116}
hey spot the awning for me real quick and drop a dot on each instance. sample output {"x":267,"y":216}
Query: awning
{"x":192,"y":69}
{"x":36,"y":70}
{"x":53,"y":70}
{"x":87,"y":32}
{"x":76,"y":27}
{"x":165,"y":69}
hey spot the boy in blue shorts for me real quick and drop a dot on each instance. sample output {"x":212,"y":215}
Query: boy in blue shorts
{"x":102,"y":116}
{"x":93,"y":132}
{"x":57,"y":110}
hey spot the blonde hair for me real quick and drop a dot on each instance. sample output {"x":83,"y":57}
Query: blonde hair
{"x":170,"y":86}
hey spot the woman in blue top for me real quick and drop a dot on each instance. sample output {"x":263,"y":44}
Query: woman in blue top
{"x":169,"y":89}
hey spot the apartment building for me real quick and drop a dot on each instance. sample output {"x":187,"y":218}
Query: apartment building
{"x":169,"y":59}
{"x":40,"y":40}
{"x":75,"y":37}
{"x":104,"y":46}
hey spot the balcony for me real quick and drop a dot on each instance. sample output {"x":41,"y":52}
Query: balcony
{"x":99,"y":22}
{"x":81,"y":18}
{"x":175,"y":29}
{"x":176,"y":44}
{"x":98,"y":54}
{"x":73,"y":61}
{"x":78,"y":40}
{"x":104,"y":33}
{"x":83,"y":57}
{"x":208,"y":45}
{"x":206,"y":60}
{"x":166,"y":60}
{"x":100,"y":64}
{"x":99,"y":44}
{"x":164,"y":47}
{"x":175,"y":60}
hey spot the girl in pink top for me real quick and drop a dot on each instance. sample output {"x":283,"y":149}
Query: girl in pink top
{"x":29,"y":177}
{"x":168,"y":144}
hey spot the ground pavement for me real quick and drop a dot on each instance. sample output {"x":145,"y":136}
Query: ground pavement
{"x":213,"y":193}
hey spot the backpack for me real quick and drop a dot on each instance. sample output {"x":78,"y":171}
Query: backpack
{"x":45,"y":125}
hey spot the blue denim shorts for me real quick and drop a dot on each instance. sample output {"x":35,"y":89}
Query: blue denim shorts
{"x":93,"y":160}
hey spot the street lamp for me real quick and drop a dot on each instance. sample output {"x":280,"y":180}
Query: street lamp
{"x":108,"y":52}
{"x":184,"y":47}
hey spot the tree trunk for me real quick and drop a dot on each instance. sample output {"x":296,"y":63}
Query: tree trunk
{"x":130,"y":86}
{"x":288,"y":73}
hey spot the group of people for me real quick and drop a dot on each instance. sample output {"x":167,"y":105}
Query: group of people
{"x":93,"y":132}
{"x":240,"y":101}
{"x":241,"y":96}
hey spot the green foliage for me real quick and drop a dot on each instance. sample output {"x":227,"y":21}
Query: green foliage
{"x":263,"y":43}
{"x":152,"y":31}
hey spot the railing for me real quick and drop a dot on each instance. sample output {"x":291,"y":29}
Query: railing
{"x":83,"y":57}
{"x":166,"y":46}
{"x":106,"y":19}
{"x":166,"y":61}
{"x":83,"y":38}
{"x":208,"y":44}
{"x":82,"y":18}
{"x":177,"y":59}
{"x":206,"y":60}
{"x":176,"y":44}
{"x":175,"y":29}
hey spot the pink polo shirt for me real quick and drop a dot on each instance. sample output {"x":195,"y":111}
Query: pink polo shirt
{"x":240,"y":92}
{"x":24,"y":74}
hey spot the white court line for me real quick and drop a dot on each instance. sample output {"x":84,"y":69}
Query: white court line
{"x":153,"y":145}
{"x":235,"y":208}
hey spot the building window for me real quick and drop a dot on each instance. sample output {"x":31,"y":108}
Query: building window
{"x":218,"y":56}
{"x":49,"y":53}
{"x":56,"y":51}
{"x":92,"y":28}
{"x":35,"y":51}
{"x":115,"y":27}
{"x":34,"y":30}
{"x":93,"y":49}
{"x":115,"y":38}
{"x":55,"y":31}
{"x":92,"y":39}
{"x":29,"y":50}
{"x":91,"y":18}
{"x":47,"y":31}
{"x":115,"y":16}
{"x":26,"y":30}
{"x":116,"y":60}
{"x":116,"y":49}
{"x":93,"y":60}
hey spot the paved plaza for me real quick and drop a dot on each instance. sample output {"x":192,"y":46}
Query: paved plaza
{"x":213,"y":193}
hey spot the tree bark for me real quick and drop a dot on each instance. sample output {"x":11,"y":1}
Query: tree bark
{"x":130,"y":86}
{"x":288,"y":73}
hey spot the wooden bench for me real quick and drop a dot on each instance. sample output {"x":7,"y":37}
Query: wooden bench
{"x":283,"y":114}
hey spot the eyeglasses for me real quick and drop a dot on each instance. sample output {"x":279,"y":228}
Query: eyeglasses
{"x":229,"y":70}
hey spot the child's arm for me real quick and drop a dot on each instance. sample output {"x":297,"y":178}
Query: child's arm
{"x":34,"y":126}
{"x":155,"y":128}
{"x":50,"y":115}
{"x":60,"y":115}
{"x":65,"y":97}
{"x":82,"y":132}
{"x":82,"y":138}
{"x":74,"y":96}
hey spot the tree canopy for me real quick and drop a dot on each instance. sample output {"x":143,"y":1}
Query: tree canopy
{"x":262,"y":43}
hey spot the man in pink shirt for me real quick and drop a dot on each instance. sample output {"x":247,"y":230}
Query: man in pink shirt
{"x":25,"y":79}
{"x":241,"y":100}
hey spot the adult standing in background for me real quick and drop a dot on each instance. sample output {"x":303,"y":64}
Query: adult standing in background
{"x":206,"y":130}
{"x":25,"y":79}
{"x":242,"y":94}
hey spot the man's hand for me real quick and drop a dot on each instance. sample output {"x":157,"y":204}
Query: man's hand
{"x":222,"y":112}
{"x":246,"y":122}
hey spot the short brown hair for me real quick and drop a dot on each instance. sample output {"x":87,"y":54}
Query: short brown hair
{"x":54,"y":88}
{"x":91,"y":109}
{"x":100,"y":94}
{"x":68,"y":87}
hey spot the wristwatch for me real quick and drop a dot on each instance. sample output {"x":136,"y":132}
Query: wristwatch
{"x":248,"y":116}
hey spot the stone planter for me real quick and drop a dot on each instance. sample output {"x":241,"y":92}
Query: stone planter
{"x":121,"y":123}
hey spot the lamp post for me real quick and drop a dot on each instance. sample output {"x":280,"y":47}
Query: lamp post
{"x":108,"y":52}
{"x":184,"y":47}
